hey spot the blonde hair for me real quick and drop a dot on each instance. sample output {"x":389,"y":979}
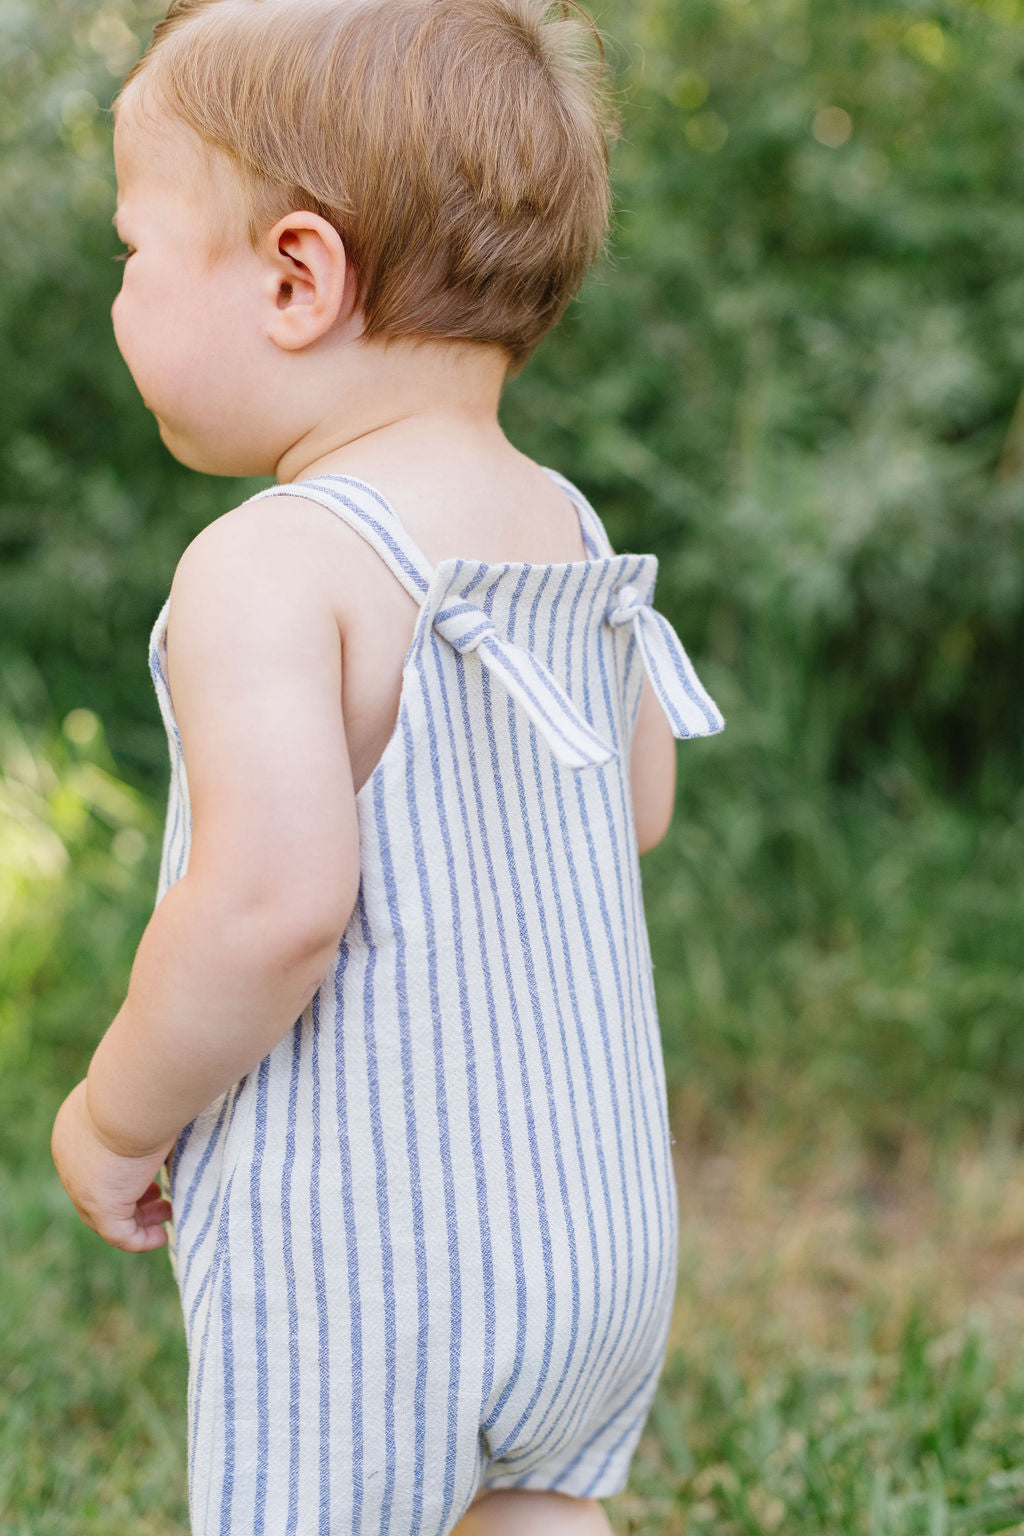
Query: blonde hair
{"x":459,"y":147}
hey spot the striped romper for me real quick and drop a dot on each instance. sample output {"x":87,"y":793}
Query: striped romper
{"x":428,"y":1246}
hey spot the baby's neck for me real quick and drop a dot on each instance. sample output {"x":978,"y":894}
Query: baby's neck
{"x":399,"y":390}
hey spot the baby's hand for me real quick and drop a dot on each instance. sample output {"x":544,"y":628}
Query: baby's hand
{"x":115,"y":1195}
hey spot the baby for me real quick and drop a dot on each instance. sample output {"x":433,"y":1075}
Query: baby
{"x":389,"y":1066}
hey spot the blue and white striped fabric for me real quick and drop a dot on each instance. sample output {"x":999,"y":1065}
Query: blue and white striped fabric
{"x":429,"y":1245}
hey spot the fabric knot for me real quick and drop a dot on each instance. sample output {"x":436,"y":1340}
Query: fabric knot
{"x":689,"y":707}
{"x":464,"y":626}
{"x":624,"y":606}
{"x":572,"y":739}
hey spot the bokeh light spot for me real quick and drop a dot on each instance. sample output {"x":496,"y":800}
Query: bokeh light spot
{"x":81,"y":726}
{"x":689,"y":90}
{"x":927,"y":40}
{"x":832,"y":126}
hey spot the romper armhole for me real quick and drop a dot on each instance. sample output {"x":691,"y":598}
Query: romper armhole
{"x":595,"y":539}
{"x":371,"y":516}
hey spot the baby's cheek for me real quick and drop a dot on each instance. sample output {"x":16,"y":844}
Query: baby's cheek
{"x":131,"y":338}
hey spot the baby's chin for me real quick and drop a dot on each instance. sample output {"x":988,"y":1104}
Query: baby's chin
{"x":211,"y":458}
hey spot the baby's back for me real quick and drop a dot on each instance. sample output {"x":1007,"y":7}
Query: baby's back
{"x":493,"y":507}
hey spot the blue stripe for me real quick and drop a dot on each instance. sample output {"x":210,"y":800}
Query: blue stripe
{"x":227,"y":1354}
{"x":320,"y":1284}
{"x":360,"y":485}
{"x":564,"y":843}
{"x":260,"y":1298}
{"x":174,"y":1161}
{"x":667,"y":1199}
{"x":175,"y":792}
{"x":348,"y":1217}
{"x":595,"y":540}
{"x":619,"y":1363}
{"x":384,"y":1228}
{"x":405,"y":1025}
{"x":629,"y":1006}
{"x":603,"y":1017}
{"x":294,"y":1384}
{"x":567,"y":719}
{"x":600,"y":1008}
{"x":453,"y":610}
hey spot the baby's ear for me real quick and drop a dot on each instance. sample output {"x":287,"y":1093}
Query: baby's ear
{"x":310,"y":283}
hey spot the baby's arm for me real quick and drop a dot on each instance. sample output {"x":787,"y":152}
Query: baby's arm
{"x":236,"y":949}
{"x":652,"y":770}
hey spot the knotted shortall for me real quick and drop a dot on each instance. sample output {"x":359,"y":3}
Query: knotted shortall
{"x":429,"y":1245}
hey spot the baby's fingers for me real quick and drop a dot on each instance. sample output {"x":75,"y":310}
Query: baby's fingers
{"x":136,"y":1234}
{"x":151,"y":1212}
{"x":138,"y":1230}
{"x":148,"y":1236}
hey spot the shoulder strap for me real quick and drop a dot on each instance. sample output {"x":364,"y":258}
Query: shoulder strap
{"x":368,"y":514}
{"x":374,"y":519}
{"x":595,"y":540}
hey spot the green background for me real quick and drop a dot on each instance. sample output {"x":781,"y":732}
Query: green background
{"x":797,"y":378}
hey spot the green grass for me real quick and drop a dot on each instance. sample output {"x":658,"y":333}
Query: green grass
{"x":93,"y":1362}
{"x":923,"y":1440}
{"x":838,"y":990}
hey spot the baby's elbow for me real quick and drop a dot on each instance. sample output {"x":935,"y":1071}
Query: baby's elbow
{"x":297,"y":924}
{"x":653,"y":785}
{"x":653,"y":793}
{"x":650,"y":830}
{"x":652,"y":771}
{"x":320,"y":918}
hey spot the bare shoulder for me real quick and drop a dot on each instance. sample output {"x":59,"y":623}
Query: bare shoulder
{"x":287,"y":555}
{"x":289,"y":537}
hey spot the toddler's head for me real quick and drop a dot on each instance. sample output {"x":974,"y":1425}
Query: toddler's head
{"x":458,"y":147}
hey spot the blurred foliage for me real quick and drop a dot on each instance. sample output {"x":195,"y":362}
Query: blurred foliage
{"x":797,"y":379}
{"x":68,"y":942}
